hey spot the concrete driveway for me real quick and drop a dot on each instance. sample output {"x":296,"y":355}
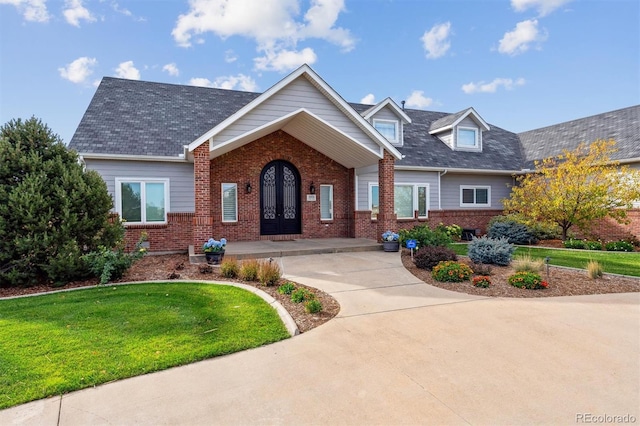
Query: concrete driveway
{"x":399,"y":352}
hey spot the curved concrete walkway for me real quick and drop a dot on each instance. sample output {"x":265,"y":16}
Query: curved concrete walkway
{"x":399,"y":352}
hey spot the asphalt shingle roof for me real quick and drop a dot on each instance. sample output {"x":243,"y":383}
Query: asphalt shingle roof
{"x":131,"y":117}
{"x":622,"y":125}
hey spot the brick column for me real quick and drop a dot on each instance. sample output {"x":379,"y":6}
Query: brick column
{"x":386,"y":216}
{"x":202,"y":219}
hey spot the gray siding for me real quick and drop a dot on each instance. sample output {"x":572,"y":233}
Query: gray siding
{"x":363,"y":189}
{"x":447,"y":138}
{"x":180,"y":175}
{"x":450,"y":184}
{"x":300,"y":93}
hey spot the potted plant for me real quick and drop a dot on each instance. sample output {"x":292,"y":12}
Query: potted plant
{"x":214,"y":250}
{"x":390,"y":241}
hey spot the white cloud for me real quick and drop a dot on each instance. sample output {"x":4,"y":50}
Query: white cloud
{"x":230,"y":56}
{"x":273,"y":24}
{"x":417,"y":100}
{"x":544,"y":7}
{"x":75,"y":12}
{"x":492,"y":87}
{"x":172,"y":69}
{"x":285,"y":60}
{"x":240,"y":81}
{"x":201,"y":82}
{"x":79,"y":70}
{"x":519,"y":40}
{"x":32,"y":10}
{"x":128,"y":71}
{"x":368,"y":99}
{"x":436,"y":40}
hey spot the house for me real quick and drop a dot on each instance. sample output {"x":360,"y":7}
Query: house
{"x":186,"y":163}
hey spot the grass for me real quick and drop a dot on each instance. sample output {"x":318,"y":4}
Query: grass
{"x":57,"y":343}
{"x":624,"y":263}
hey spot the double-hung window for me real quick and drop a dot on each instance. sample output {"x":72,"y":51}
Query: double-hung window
{"x":229,"y":202}
{"x":388,"y":129}
{"x":408,"y":198}
{"x":475,"y":196}
{"x":142,"y":201}
{"x":326,"y":202}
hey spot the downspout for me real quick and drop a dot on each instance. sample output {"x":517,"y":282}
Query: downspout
{"x":442,"y":173}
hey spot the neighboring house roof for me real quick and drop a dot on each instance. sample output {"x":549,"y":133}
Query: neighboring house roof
{"x":140,"y":118}
{"x":622,"y":125}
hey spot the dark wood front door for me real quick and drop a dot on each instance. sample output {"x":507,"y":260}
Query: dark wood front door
{"x":280,"y":199}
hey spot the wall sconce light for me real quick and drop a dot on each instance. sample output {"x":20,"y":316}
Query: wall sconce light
{"x":312,"y":188}
{"x":248,"y":187}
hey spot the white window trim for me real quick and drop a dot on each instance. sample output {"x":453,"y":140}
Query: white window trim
{"x":474,"y":187}
{"x":415,"y":197}
{"x":370,"y":198}
{"x":222,"y":202}
{"x":477,"y":139}
{"x":396,"y":126}
{"x":143,"y":201}
{"x":330,"y":199}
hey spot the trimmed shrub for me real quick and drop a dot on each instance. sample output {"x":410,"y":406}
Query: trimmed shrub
{"x":528,"y":280}
{"x":514,"y":232}
{"x":593,"y":245}
{"x":287,"y":288}
{"x":269,"y":273}
{"x":489,"y":250}
{"x":594,"y":269}
{"x":482,"y":269}
{"x":424,"y":236}
{"x":301,"y":294}
{"x":572,"y":243}
{"x":453,"y":230}
{"x":429,"y":256}
{"x":249,"y":270}
{"x":481,"y":281}
{"x":618,"y":246}
{"x":525,"y":263}
{"x":450,"y":271}
{"x":229,"y":267}
{"x":313,"y":306}
{"x":540,"y":230}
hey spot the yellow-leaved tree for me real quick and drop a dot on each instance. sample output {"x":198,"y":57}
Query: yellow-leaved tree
{"x":576,"y":188}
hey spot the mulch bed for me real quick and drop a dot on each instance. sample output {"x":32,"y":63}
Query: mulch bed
{"x":562,"y":282}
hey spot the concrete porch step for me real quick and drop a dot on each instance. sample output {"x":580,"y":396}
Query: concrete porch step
{"x":295,"y":247}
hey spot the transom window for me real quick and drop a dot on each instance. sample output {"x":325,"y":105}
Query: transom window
{"x":142,"y":200}
{"x":408,"y":198}
{"x":467,"y":138}
{"x":471,"y":196}
{"x":387,"y":128}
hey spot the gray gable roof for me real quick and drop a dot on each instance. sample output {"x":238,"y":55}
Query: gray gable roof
{"x":130,"y":117}
{"x":447,"y":120}
{"x":622,"y":125}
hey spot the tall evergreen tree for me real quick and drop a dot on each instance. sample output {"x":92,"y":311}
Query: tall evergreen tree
{"x":51,"y":210}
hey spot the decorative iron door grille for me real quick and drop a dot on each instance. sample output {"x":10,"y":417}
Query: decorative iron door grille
{"x":280,"y":199}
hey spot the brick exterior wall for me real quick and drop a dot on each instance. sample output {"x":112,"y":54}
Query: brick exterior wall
{"x":176,"y":235}
{"x":467,"y":219}
{"x":610,"y":230}
{"x":202,"y":219}
{"x":244,"y":165}
{"x":386,"y":216}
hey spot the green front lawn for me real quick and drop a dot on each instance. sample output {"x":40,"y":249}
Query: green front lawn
{"x":613,"y":262}
{"x":62,"y":342}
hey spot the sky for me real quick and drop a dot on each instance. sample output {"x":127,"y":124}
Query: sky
{"x":521,"y":64}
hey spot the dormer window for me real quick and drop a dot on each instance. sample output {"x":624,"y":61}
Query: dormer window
{"x":467,"y":138}
{"x":388,"y":129}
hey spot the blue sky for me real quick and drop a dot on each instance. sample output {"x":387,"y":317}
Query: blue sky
{"x":522,"y":64}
